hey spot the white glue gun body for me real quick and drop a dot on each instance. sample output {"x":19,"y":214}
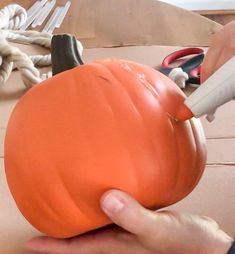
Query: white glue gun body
{"x":214,"y":92}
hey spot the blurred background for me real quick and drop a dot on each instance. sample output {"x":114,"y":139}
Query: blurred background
{"x":221,"y":11}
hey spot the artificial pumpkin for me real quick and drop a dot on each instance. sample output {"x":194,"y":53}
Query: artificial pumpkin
{"x":105,"y":125}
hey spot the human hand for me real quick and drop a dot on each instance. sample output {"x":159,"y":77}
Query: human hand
{"x":222,"y":48}
{"x":141,"y":232}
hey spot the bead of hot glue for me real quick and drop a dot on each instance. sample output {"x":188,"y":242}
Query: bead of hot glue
{"x":183,"y":113}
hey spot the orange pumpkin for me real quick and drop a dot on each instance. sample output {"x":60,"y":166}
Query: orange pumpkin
{"x":104,"y":125}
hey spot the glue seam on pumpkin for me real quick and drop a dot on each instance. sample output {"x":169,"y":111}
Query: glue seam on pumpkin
{"x":136,"y":110}
{"x":155,"y":93}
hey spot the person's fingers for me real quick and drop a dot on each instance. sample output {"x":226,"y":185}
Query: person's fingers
{"x":221,"y":50}
{"x":210,"y":220}
{"x":127,"y":213}
{"x":227,"y":53}
{"x":79,"y":245}
{"x":45,"y":244}
{"x":212,"y":56}
{"x":116,"y":240}
{"x":48,"y":245}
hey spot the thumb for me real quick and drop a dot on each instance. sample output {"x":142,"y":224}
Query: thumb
{"x":127,"y":213}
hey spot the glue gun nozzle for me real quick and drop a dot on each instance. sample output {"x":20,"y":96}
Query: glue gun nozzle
{"x":183,"y":113}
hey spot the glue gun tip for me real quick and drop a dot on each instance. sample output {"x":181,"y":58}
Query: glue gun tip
{"x":183,"y":113}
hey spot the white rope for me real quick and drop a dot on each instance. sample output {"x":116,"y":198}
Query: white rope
{"x":179,"y":77}
{"x":12,"y":55}
{"x":39,"y":60}
{"x":13,"y":17}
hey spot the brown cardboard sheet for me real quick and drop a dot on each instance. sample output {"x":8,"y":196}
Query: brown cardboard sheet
{"x":224,"y":124}
{"x":123,"y":23}
{"x":218,"y":180}
{"x":221,"y":151}
{"x":128,"y":22}
{"x":213,"y":197}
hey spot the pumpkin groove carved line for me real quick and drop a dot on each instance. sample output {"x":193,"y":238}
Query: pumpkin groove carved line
{"x":178,"y":164}
{"x":154,"y":94}
{"x":141,"y":117}
{"x":120,"y":131}
{"x":114,"y":118}
{"x":156,"y":97}
{"x":196,"y":132}
{"x":137,"y":109}
{"x":132,"y":102}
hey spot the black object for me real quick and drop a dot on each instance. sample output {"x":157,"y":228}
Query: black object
{"x":191,"y":66}
{"x":232,"y":249}
{"x":64,"y":53}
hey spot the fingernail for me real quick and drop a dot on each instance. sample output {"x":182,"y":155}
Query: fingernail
{"x":112,"y":204}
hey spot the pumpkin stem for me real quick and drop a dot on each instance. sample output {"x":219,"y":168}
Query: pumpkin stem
{"x":64,"y":53}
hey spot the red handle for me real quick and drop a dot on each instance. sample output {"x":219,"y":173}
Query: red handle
{"x":178,"y":54}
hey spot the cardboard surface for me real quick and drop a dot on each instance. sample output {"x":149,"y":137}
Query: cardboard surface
{"x":217,"y":181}
{"x":213,"y":197}
{"x":221,"y":151}
{"x":15,"y":230}
{"x":224,"y":124}
{"x":126,"y":28}
{"x":129,"y":22}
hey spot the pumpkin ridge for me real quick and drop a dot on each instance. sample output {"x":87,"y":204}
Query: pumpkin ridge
{"x":197,"y":149}
{"x":52,"y":214}
{"x":137,"y":110}
{"x":195,"y":159}
{"x":176,"y":145}
{"x":154,"y":92}
{"x":142,"y":122}
{"x":140,"y":117}
{"x":8,"y":173}
{"x":76,"y":206}
{"x":85,"y":208}
{"x":156,"y":89}
{"x":171,"y":118}
{"x":154,"y":148}
{"x":119,"y":130}
{"x":132,"y":102}
{"x":46,"y":207}
{"x":199,"y":163}
{"x":181,"y":155}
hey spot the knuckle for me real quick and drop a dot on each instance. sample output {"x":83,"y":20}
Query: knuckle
{"x":171,"y":214}
{"x":210,"y":221}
